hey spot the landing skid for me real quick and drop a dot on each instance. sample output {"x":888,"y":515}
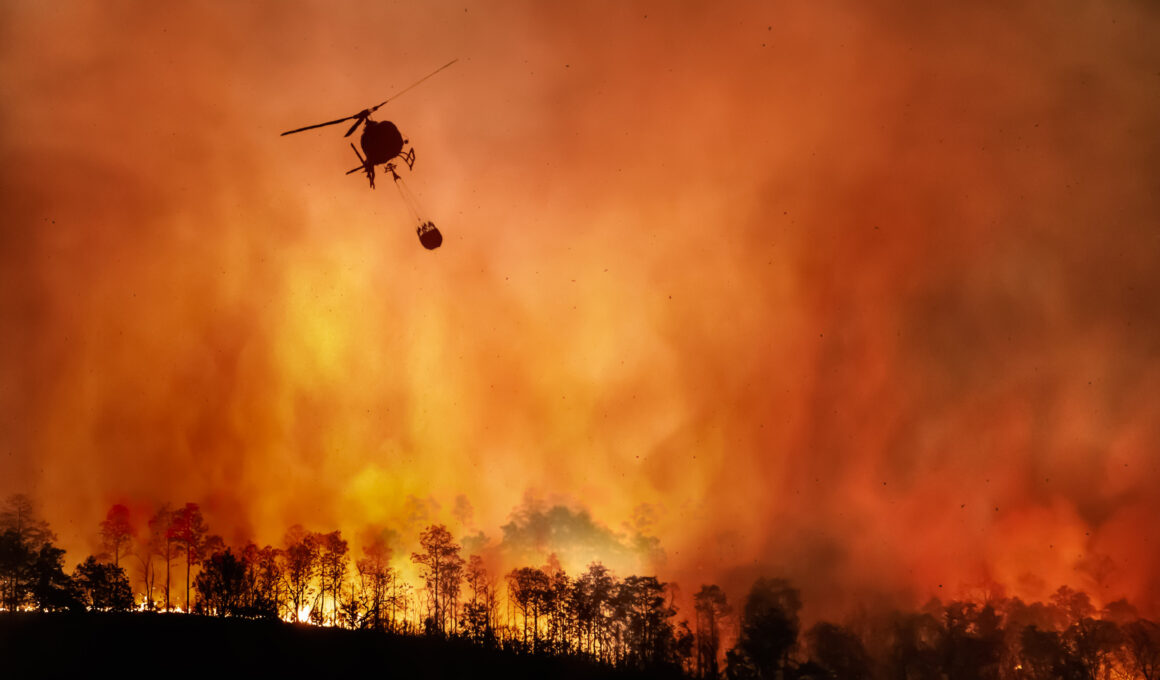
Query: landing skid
{"x":408,"y":157}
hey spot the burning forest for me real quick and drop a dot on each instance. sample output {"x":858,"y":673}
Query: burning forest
{"x":843,"y":311}
{"x":628,"y":623}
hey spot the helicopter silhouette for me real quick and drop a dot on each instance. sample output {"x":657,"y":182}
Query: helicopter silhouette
{"x":382,"y":143}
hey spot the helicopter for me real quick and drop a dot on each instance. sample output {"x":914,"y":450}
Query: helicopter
{"x":381,"y":144}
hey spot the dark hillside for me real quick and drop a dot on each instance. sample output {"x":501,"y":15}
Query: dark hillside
{"x":34,"y":645}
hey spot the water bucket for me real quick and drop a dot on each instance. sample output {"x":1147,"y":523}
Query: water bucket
{"x":429,"y":236}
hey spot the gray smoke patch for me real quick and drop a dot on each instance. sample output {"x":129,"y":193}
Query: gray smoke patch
{"x":537,"y":530}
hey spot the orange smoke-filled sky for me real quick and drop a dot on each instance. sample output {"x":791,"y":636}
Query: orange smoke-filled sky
{"x":863,"y":294}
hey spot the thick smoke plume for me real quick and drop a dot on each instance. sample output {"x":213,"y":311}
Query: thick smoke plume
{"x":859,"y":294}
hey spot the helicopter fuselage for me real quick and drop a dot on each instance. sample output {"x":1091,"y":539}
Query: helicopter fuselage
{"x":381,"y":141}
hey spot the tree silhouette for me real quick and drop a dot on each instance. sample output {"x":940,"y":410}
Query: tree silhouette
{"x":1042,"y":655}
{"x":211,"y":545}
{"x":649,"y":636}
{"x":558,"y":605}
{"x":592,"y":599}
{"x":442,"y":569}
{"x":1142,"y":648}
{"x":117,"y":533}
{"x":1090,"y":644}
{"x":18,"y":514}
{"x":264,"y":578}
{"x":222,"y":584}
{"x":26,"y":553}
{"x":838,"y":651}
{"x":161,"y":544}
{"x":915,"y":646}
{"x":1071,"y":606}
{"x":301,"y":563}
{"x":973,"y":642}
{"x":52,"y":589}
{"x":527,"y":589}
{"x":1120,"y":611}
{"x":711,"y":607}
{"x":769,"y":630}
{"x":145,"y":554}
{"x":375,"y":577}
{"x":16,"y":560}
{"x":332,"y":566}
{"x":188,"y":530}
{"x":477,"y":613}
{"x":103,"y":586}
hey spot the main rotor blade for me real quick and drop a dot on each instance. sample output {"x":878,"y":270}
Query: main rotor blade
{"x":311,"y":127}
{"x":413,"y":85}
{"x":361,"y":117}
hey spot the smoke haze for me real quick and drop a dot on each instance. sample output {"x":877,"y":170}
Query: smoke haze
{"x":860,"y":294}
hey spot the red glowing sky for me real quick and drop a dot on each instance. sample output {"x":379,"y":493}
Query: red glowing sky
{"x":863,"y":294}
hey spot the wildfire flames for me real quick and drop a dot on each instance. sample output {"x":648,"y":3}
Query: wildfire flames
{"x":862,"y":296}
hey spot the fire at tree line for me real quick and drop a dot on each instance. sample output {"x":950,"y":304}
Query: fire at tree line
{"x":628,"y":622}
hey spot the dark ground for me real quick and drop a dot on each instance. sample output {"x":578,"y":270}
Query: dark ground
{"x":35,"y":645}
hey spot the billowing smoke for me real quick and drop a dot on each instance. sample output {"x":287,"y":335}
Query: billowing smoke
{"x":863,"y":295}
